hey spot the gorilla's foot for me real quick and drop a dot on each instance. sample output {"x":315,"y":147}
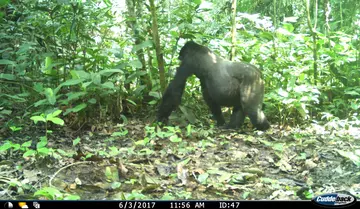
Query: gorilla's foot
{"x":263,"y":126}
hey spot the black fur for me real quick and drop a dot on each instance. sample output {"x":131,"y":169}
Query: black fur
{"x":223,"y":83}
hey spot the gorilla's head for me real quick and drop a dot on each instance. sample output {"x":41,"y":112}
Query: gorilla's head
{"x":190,"y":49}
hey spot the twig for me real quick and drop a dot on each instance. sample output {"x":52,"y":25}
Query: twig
{"x":57,"y":172}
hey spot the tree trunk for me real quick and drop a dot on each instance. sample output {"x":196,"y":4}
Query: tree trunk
{"x":313,"y":34}
{"x":233,"y":31}
{"x":159,"y":53}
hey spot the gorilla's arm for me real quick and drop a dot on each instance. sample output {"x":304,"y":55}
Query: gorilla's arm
{"x":172,"y":96}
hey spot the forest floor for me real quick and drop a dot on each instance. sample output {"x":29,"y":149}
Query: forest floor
{"x":139,"y":161}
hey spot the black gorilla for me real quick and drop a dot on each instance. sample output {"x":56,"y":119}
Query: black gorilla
{"x":223,"y":83}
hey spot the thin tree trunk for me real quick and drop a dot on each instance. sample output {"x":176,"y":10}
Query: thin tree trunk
{"x":233,"y":30}
{"x":327,"y":10}
{"x":274,"y":16}
{"x":313,"y":34}
{"x":159,"y":53}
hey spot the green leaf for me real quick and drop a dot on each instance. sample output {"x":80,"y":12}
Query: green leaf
{"x":40,"y":102}
{"x":131,"y":77}
{"x":15,"y":97}
{"x":24,"y":48}
{"x":143,"y":142}
{"x":148,"y":43}
{"x":76,"y":109}
{"x":9,"y":77}
{"x":62,"y":152}
{"x":188,"y":114}
{"x":96,"y":78}
{"x":7,"y":62}
{"x":29,"y":153}
{"x":353,"y":93}
{"x":38,"y":118}
{"x":152,"y":102}
{"x":278,"y":147}
{"x":108,"y":85}
{"x":7,"y":145}
{"x":155,"y":94}
{"x":79,"y":74}
{"x":5,"y":112}
{"x":267,"y":35}
{"x":48,"y":62}
{"x":57,"y":121}
{"x":124,"y":118}
{"x":27,"y":144}
{"x":14,"y":128}
{"x":42,"y":143}
{"x":86,"y":84}
{"x":114,"y":151}
{"x":43,"y":151}
{"x":92,"y":101}
{"x":122,"y":133}
{"x":289,"y":27}
{"x":267,"y":143}
{"x":131,"y":102}
{"x":115,"y":185}
{"x":51,"y":97}
{"x":175,"y":139}
{"x":174,"y":33}
{"x":79,"y":107}
{"x":76,"y":141}
{"x":224,"y":177}
{"x":16,"y":147}
{"x":72,"y":82}
{"x":135,"y":64}
{"x":49,"y":192}
{"x":186,"y":161}
{"x":245,"y":195}
{"x":109,"y":72}
{"x":198,"y":2}
{"x":202,"y":178}
{"x":188,"y":130}
{"x":38,"y":87}
{"x":75,"y":95}
{"x":351,"y":156}
{"x":56,"y":113}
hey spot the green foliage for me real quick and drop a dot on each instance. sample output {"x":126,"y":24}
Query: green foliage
{"x":26,"y":148}
{"x":352,"y":156}
{"x":51,"y":193}
{"x":87,"y":66}
{"x":52,"y":117}
{"x":49,"y":117}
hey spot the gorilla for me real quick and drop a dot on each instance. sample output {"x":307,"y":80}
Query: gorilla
{"x":223,"y":83}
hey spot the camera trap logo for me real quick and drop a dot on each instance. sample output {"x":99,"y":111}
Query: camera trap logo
{"x":334,"y":200}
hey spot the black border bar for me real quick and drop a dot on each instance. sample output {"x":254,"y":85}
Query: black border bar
{"x":156,"y":204}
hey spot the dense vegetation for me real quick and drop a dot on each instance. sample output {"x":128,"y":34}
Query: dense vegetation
{"x":80,"y":83}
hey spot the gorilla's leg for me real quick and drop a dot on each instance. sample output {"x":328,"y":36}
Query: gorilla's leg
{"x":251,"y":98}
{"x":237,"y":118}
{"x":214,"y":108}
{"x":216,"y":111}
